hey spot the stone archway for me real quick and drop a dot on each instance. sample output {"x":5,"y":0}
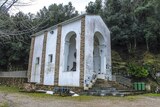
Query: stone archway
{"x":70,"y":52}
{"x":99,"y":61}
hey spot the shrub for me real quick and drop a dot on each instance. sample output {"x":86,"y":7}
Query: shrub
{"x":137,"y":71}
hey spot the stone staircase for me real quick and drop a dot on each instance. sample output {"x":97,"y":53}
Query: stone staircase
{"x":103,"y":87}
{"x":102,"y":84}
{"x":123,"y":80}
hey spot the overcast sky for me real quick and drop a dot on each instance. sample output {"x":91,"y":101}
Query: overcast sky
{"x":39,"y":4}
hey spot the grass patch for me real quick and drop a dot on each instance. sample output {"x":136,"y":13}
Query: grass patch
{"x":9,"y":89}
{"x":56,"y":97}
{"x":132,"y":98}
{"x":37,"y":95}
{"x":152,"y":95}
{"x":83,"y":98}
{"x":91,"y":98}
{"x":128,"y":98}
{"x":5,"y":104}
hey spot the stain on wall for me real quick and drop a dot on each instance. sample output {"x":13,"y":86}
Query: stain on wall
{"x":50,"y":50}
{"x":35,"y":75}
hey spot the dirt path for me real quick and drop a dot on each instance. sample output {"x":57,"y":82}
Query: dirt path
{"x":20,"y":100}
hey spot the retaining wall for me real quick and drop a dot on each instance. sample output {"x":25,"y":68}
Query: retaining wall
{"x":14,"y":78}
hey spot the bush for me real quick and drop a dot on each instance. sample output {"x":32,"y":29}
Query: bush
{"x":137,"y":71}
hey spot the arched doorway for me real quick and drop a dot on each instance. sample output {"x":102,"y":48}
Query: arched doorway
{"x":99,"y":54}
{"x":70,"y":52}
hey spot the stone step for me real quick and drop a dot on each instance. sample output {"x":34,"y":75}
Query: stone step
{"x":104,"y":83}
{"x":109,"y":88}
{"x":100,"y":92}
{"x":112,"y":93}
{"x":128,"y":93}
{"x":103,"y":88}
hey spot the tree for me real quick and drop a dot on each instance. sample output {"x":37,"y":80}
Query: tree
{"x":15,"y":32}
{"x":131,"y":22}
{"x":15,"y":44}
{"x":94,"y":7}
{"x":146,"y":13}
{"x":55,"y":14}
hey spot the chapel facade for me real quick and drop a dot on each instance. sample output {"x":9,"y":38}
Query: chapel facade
{"x":73,"y":53}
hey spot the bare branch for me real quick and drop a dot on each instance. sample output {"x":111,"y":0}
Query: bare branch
{"x":3,"y":3}
{"x":13,"y":2}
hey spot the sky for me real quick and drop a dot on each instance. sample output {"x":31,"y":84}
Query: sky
{"x":36,"y":5}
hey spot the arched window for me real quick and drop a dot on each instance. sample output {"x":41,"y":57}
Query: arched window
{"x":70,"y":52}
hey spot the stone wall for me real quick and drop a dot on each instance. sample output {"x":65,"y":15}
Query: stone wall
{"x":30,"y":58}
{"x":82,"y":52}
{"x":13,"y":78}
{"x":16,"y":81}
{"x":43,"y":58}
{"x":56,"y":78}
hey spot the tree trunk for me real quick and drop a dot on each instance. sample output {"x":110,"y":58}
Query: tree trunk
{"x":135,"y":44}
{"x":147,"y":45}
{"x":129,"y":47}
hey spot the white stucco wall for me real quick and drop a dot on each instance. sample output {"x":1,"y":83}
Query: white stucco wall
{"x":50,"y":49}
{"x":35,"y":73}
{"x":95,"y":24}
{"x":71,"y":78}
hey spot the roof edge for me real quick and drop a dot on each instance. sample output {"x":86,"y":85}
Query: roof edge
{"x":62,"y":23}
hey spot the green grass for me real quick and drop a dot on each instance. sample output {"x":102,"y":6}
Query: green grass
{"x":152,"y":95}
{"x":81,"y":98}
{"x":56,"y":97}
{"x":5,"y":104}
{"x":9,"y":89}
{"x":132,"y":98}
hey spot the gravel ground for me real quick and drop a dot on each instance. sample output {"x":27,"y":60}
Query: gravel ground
{"x":21,"y":100}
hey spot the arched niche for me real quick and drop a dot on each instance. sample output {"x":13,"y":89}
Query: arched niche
{"x":99,"y":53}
{"x":70,"y":52}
